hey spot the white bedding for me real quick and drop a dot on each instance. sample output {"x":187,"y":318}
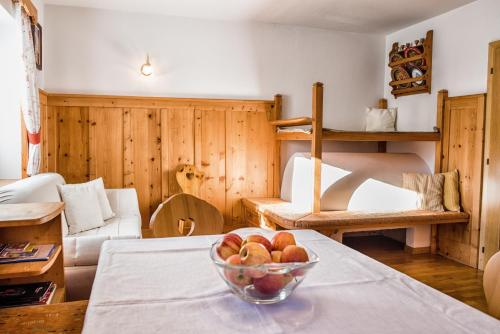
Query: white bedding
{"x":171,"y":286}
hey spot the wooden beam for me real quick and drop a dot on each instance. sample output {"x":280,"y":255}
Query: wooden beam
{"x":278,"y":108}
{"x":292,"y":121}
{"x":29,"y":8}
{"x":441,"y":99}
{"x":316,"y":145}
{"x":338,"y":135}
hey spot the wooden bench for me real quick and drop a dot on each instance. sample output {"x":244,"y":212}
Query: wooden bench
{"x":274,"y":213}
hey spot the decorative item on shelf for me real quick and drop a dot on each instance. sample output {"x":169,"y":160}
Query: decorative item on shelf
{"x":399,"y":74}
{"x":411,"y":66}
{"x":416,"y":72}
{"x":394,"y":55}
{"x":146,"y":68}
{"x":412,"y":52}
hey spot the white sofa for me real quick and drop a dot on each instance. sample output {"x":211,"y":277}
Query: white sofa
{"x":81,"y":250}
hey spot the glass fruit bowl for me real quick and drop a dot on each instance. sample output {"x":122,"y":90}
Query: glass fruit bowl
{"x":267,"y":283}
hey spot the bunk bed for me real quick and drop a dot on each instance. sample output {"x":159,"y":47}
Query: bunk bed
{"x":275,"y":213}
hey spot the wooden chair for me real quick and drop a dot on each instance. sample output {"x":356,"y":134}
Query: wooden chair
{"x":189,"y":179}
{"x":185,"y":215}
{"x":491,"y":285}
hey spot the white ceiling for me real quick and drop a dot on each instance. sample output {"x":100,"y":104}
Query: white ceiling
{"x":380,"y":16}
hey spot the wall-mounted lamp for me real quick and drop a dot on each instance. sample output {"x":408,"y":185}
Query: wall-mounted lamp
{"x":146,"y":68}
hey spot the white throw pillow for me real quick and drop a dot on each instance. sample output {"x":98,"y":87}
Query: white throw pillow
{"x":81,"y":207}
{"x":103,"y":200}
{"x":381,"y":119}
{"x":106,"y":211}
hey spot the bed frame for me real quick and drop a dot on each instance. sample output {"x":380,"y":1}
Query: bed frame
{"x":274,"y":213}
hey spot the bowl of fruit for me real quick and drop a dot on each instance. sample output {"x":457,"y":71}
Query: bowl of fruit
{"x":261,"y":271}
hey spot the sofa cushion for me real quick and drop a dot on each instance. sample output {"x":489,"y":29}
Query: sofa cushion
{"x":82,"y":208}
{"x":82,"y":249}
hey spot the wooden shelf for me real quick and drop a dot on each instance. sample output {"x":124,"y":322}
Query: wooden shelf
{"x":406,"y":60}
{"x":292,"y":121}
{"x":337,"y":135}
{"x":28,"y":269}
{"x":410,"y":91}
{"x":27,"y":214}
{"x":426,"y":67}
{"x":59,"y":296}
{"x":411,"y":80}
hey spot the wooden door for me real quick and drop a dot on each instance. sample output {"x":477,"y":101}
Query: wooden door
{"x":490,"y":231}
{"x":463,"y":148}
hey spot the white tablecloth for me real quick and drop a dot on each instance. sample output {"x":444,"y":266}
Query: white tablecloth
{"x":171,"y":286}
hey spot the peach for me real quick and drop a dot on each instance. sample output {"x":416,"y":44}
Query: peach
{"x":230,"y":245}
{"x":253,"y":253}
{"x":276,"y":256}
{"x":236,"y":275}
{"x":294,"y":253}
{"x":260,"y":239}
{"x":270,"y":284}
{"x":281,"y":240}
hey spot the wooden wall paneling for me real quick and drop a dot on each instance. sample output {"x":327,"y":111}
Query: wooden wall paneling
{"x":142,"y":157}
{"x":236,"y":160}
{"x":177,"y":133}
{"x":250,"y":154}
{"x":50,"y":139}
{"x":87,"y":136}
{"x":210,"y":154}
{"x":43,"y":135}
{"x":106,"y":145}
{"x":463,"y":138}
{"x":490,"y":222}
{"x":442,"y":97}
{"x":73,"y":143}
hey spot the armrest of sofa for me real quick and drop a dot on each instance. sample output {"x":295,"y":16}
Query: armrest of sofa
{"x":124,"y":202}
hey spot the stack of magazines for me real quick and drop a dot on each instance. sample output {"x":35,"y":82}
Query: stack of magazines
{"x":24,"y":252}
{"x":26,"y":294}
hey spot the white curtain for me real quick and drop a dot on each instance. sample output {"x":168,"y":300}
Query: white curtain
{"x":30,"y":103}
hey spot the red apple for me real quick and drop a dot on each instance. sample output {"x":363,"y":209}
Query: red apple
{"x":281,"y":240}
{"x":276,"y":256}
{"x":236,"y":275}
{"x":260,"y":239}
{"x":294,"y":253}
{"x":270,"y":284}
{"x":230,"y":245}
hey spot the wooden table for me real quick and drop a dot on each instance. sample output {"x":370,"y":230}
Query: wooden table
{"x":171,"y":285}
{"x":56,"y":318}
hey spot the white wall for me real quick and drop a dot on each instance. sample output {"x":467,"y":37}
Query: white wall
{"x":99,"y":51}
{"x":10,"y":79}
{"x":460,"y":59}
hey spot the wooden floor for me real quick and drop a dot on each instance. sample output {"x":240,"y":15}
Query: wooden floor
{"x":452,"y":278}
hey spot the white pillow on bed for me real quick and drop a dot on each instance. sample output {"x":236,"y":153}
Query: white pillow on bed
{"x":383,"y":120}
